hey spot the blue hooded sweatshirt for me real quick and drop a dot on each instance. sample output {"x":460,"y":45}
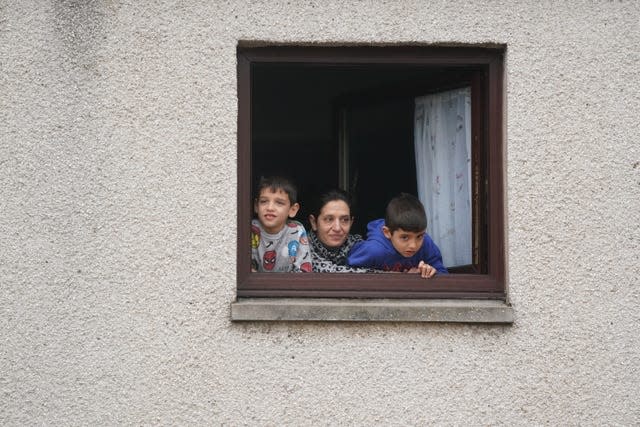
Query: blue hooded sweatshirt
{"x":378,"y":252}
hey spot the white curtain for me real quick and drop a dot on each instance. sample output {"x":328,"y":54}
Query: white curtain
{"x":442,"y":141}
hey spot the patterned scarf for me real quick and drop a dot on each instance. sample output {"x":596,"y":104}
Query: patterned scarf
{"x":332,"y":260}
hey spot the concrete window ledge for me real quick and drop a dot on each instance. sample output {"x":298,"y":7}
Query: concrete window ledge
{"x":371,"y":310}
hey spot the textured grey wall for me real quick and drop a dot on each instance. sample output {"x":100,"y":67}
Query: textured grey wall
{"x":117,"y":223}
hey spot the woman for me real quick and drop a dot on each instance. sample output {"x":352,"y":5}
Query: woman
{"x":329,"y":237}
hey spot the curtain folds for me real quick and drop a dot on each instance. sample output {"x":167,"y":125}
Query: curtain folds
{"x":442,"y":139}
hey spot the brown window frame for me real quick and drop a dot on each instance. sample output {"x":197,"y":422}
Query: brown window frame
{"x":490,"y":284}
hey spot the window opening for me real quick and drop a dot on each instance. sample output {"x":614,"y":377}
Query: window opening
{"x":378,"y":121}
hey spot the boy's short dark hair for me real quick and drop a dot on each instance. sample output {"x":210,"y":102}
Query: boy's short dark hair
{"x":406,"y":212}
{"x":276,"y":183}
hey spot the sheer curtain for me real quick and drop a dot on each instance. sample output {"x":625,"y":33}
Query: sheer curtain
{"x":442,"y":141}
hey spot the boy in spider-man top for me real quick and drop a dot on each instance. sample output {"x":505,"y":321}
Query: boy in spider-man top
{"x":278,"y":243}
{"x":399,"y":242}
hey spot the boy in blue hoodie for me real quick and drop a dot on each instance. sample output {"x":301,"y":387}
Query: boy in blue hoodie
{"x":399,"y":242}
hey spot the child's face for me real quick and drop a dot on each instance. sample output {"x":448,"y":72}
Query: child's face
{"x":273,"y":208}
{"x":407,"y":243}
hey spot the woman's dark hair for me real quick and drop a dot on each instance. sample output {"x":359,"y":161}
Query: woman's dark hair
{"x":405,"y":211}
{"x":318,"y":201}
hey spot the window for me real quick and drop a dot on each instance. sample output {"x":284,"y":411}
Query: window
{"x":351,"y":117}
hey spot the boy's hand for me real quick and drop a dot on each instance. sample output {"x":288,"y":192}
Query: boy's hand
{"x":426,"y":271}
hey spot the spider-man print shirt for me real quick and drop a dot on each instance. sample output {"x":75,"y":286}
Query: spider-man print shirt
{"x":283,"y":252}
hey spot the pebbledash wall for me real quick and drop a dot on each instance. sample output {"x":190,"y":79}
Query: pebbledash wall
{"x":118,"y":223}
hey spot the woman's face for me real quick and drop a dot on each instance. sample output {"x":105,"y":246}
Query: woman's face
{"x":333,"y":224}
